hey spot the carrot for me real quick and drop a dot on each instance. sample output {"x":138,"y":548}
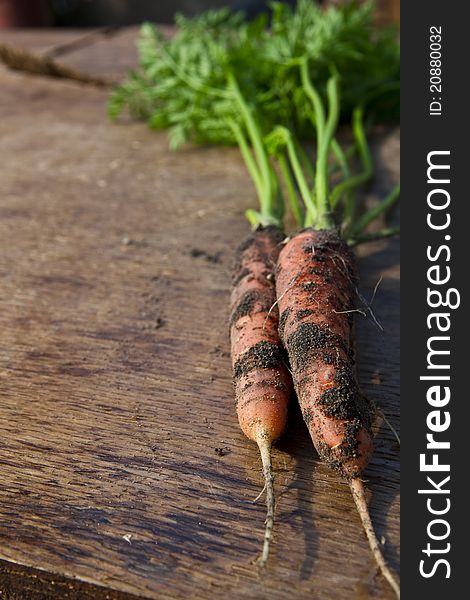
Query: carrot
{"x":316,"y":288}
{"x":315,"y":282}
{"x":262,"y":382}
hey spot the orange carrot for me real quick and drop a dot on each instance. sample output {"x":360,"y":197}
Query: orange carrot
{"x":262,"y":382}
{"x":316,"y":288}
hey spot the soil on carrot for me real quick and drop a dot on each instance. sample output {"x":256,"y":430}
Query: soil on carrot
{"x":301,"y":314}
{"x":253,"y":301}
{"x":349,"y":448}
{"x":282,"y":321}
{"x":263,"y":355}
{"x":310,"y":340}
{"x":274,"y":382}
{"x":344,"y":400}
{"x":253,"y":240}
{"x":238,"y":276}
{"x":326,"y":279}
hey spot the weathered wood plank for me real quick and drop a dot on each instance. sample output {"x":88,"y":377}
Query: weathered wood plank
{"x":115,"y":375}
{"x":46,"y":41}
{"x":107,"y":54}
{"x":25,"y":583}
{"x":112,"y":56}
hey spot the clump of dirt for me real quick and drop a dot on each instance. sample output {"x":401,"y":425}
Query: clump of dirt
{"x":329,"y":458}
{"x":309,"y":286}
{"x":222,"y":451}
{"x":304,"y":312}
{"x":212,"y":258}
{"x":248,"y":302}
{"x":282,"y":321}
{"x":256,"y":240}
{"x":237,"y":277}
{"x":307,"y":339}
{"x":263,"y":355}
{"x":340,"y":400}
{"x":272,"y":383}
{"x":159,"y":323}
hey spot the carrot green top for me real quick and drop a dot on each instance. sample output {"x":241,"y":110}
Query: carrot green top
{"x":265,"y":86}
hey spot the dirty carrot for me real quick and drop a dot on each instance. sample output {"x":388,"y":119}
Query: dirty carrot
{"x":316,"y":289}
{"x":262,"y":382}
{"x":316,"y":286}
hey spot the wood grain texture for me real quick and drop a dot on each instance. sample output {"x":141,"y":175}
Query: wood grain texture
{"x":18,"y":582}
{"x":47,"y":41}
{"x":111,"y":56}
{"x":115,"y":380}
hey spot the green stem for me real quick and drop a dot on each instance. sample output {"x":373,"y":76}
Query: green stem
{"x":340,"y":156}
{"x":366,"y":159}
{"x":266,"y":199}
{"x":325,"y":130}
{"x":376,"y":211}
{"x":248,"y":158}
{"x":348,"y":154}
{"x":376,"y":235}
{"x":291,"y":192}
{"x":306,"y":162}
{"x":301,"y":181}
{"x":321,"y":179}
{"x":314,"y":98}
{"x":278,"y":199}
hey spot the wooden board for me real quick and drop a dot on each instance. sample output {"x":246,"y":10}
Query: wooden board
{"x":116,"y":393}
{"x":110,"y":57}
{"x":47,"y":41}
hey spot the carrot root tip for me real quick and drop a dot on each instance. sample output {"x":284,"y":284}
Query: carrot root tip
{"x":265,"y":450}
{"x":358,"y":493}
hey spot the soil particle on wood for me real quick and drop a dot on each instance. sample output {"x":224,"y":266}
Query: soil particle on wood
{"x":212,"y":258}
{"x":223,"y":451}
{"x":159,"y":323}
